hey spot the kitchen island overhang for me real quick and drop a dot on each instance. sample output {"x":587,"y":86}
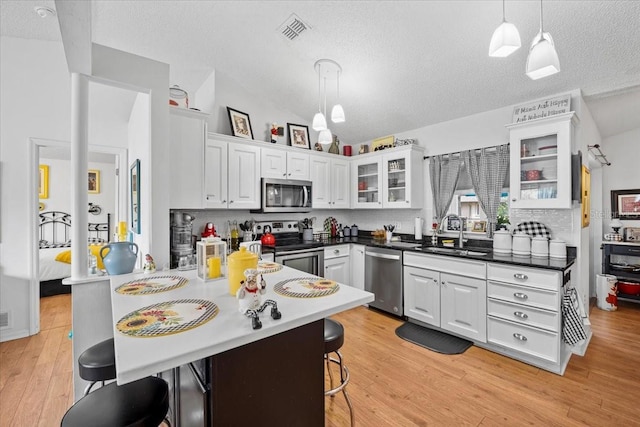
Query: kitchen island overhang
{"x":138,"y":357}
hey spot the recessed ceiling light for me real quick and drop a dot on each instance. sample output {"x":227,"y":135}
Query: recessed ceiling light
{"x":44,"y":12}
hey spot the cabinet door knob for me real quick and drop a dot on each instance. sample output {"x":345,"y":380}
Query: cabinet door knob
{"x":336,"y":251}
{"x":520,"y":314}
{"x":284,"y":174}
{"x":444,"y":283}
{"x":513,"y":200}
{"x":435,"y":281}
{"x":519,"y":336}
{"x":224,"y":201}
{"x":230,"y":201}
{"x":407,"y":201}
{"x":520,"y":276}
{"x":520,"y":295}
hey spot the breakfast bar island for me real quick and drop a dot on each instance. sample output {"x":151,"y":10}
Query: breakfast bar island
{"x":192,"y":332}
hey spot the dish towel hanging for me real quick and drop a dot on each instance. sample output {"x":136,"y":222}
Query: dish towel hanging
{"x":572,"y":327}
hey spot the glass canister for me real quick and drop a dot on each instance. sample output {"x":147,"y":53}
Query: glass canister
{"x":211,"y":255}
{"x":178,"y":97}
{"x":237,"y":263}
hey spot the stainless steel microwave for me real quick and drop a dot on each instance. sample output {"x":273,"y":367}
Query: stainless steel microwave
{"x":285,"y":195}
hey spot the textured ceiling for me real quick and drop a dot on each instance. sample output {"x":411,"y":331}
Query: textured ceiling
{"x":406,"y":64}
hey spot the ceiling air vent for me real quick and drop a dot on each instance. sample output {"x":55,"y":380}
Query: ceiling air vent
{"x":293,"y":27}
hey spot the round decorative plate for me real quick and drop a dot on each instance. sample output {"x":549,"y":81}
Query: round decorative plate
{"x":167,"y":318}
{"x":306,"y":287}
{"x":265,"y":267}
{"x":151,"y":285}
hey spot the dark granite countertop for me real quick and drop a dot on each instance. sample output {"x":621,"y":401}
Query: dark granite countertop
{"x":473,"y":245}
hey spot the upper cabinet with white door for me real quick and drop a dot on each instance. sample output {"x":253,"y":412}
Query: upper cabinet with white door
{"x":389,"y":179}
{"x":281,"y":164}
{"x":330,"y":179}
{"x":187,"y":134}
{"x":232,"y":174}
{"x":541,"y":162}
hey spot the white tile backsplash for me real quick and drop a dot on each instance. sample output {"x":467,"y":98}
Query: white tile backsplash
{"x":559,"y":221}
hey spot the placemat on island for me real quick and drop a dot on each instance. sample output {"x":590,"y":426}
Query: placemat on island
{"x":306,"y":287}
{"x":152,"y":285}
{"x":265,"y":267}
{"x":167,"y":318}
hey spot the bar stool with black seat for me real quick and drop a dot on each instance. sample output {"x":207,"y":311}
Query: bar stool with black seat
{"x":98,"y":363}
{"x":333,"y":340}
{"x":141,"y":403}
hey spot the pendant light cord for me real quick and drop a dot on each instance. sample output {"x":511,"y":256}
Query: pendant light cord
{"x":319,"y":90}
{"x":325,"y":97}
{"x":541,"y":30}
{"x":503,"y":16}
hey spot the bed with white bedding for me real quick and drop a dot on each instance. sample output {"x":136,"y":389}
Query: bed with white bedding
{"x":55,"y":237}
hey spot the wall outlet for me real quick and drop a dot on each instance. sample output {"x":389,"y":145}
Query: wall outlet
{"x":398,"y":226}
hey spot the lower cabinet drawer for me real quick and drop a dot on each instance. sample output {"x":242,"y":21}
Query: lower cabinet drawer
{"x":532,"y":297}
{"x":533,"y":341}
{"x":548,"y":320}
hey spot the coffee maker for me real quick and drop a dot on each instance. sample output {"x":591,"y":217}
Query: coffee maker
{"x":182,"y":247}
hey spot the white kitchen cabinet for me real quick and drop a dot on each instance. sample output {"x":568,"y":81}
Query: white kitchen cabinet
{"x":244,"y":176}
{"x":402,"y":177}
{"x":441,"y":297}
{"x":357,"y":266}
{"x":215,"y":174}
{"x":391,"y":178}
{"x":281,"y":164}
{"x":540,"y":162}
{"x":524,"y":314}
{"x":232,"y":175}
{"x":187,"y":134}
{"x":366,"y":182}
{"x":330,"y":179}
{"x":336,"y":264}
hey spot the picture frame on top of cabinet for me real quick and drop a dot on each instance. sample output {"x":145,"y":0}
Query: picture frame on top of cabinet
{"x":298,"y":136}
{"x":240,"y":123}
{"x":625,"y":204}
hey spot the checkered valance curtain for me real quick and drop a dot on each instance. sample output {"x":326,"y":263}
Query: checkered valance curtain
{"x":444,"y":171}
{"x":488,"y":171}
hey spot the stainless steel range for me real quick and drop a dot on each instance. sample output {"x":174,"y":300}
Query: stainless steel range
{"x":291,"y":250}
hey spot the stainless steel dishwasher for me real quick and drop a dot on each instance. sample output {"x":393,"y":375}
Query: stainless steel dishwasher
{"x":383,"y":277}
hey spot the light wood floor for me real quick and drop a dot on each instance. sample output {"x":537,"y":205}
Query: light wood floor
{"x":393,"y":382}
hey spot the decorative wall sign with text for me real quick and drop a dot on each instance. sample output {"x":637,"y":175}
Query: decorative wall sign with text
{"x":542,"y":108}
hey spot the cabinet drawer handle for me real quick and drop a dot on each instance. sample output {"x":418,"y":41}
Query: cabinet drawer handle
{"x":519,"y":336}
{"x":520,"y":276}
{"x":633,"y":250}
{"x":520,"y":295}
{"x":520,"y":314}
{"x":336,"y":251}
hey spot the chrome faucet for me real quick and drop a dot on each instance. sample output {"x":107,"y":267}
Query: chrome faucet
{"x":462,"y":223}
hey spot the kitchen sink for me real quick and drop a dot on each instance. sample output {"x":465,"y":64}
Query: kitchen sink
{"x":454,"y":251}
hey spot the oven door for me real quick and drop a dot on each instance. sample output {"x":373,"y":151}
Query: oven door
{"x":309,"y":261}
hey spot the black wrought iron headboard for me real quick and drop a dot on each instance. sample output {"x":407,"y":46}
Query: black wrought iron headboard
{"x":55,"y":230}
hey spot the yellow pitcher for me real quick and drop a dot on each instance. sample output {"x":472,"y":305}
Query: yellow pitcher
{"x":237,"y":263}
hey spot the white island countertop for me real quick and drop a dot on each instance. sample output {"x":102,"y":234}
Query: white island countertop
{"x":138,"y":357}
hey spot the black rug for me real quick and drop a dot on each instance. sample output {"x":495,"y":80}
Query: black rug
{"x":432,"y":339}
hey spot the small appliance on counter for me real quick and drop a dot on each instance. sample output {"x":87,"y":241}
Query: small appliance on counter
{"x":182,"y":246}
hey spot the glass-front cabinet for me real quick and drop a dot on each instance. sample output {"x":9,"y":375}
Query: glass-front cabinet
{"x":367,"y":175}
{"x":541,"y":162}
{"x":392,"y":178}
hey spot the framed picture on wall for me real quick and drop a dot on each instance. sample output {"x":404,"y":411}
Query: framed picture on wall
{"x":43,"y":183}
{"x":240,"y":123}
{"x":625,"y":204}
{"x":94,"y":181}
{"x":134,"y":180}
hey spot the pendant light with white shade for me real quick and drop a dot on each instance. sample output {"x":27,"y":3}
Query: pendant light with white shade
{"x":327,"y":69}
{"x":337,"y":112}
{"x":505,"y":39}
{"x":319,"y":120}
{"x":325,"y":135}
{"x":543,"y":59}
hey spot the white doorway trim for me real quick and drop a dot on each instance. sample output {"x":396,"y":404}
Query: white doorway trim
{"x":35,"y":144}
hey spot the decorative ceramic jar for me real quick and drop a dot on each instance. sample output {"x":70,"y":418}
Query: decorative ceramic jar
{"x":237,"y":263}
{"x":121,"y":257}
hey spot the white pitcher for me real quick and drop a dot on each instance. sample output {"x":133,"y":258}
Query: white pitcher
{"x":417,"y":228}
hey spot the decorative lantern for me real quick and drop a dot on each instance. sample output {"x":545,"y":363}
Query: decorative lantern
{"x":211,"y":254}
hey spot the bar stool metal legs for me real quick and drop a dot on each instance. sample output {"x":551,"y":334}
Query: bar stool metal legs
{"x":344,"y":380}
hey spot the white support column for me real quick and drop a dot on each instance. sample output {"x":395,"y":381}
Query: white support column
{"x":79,"y":167}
